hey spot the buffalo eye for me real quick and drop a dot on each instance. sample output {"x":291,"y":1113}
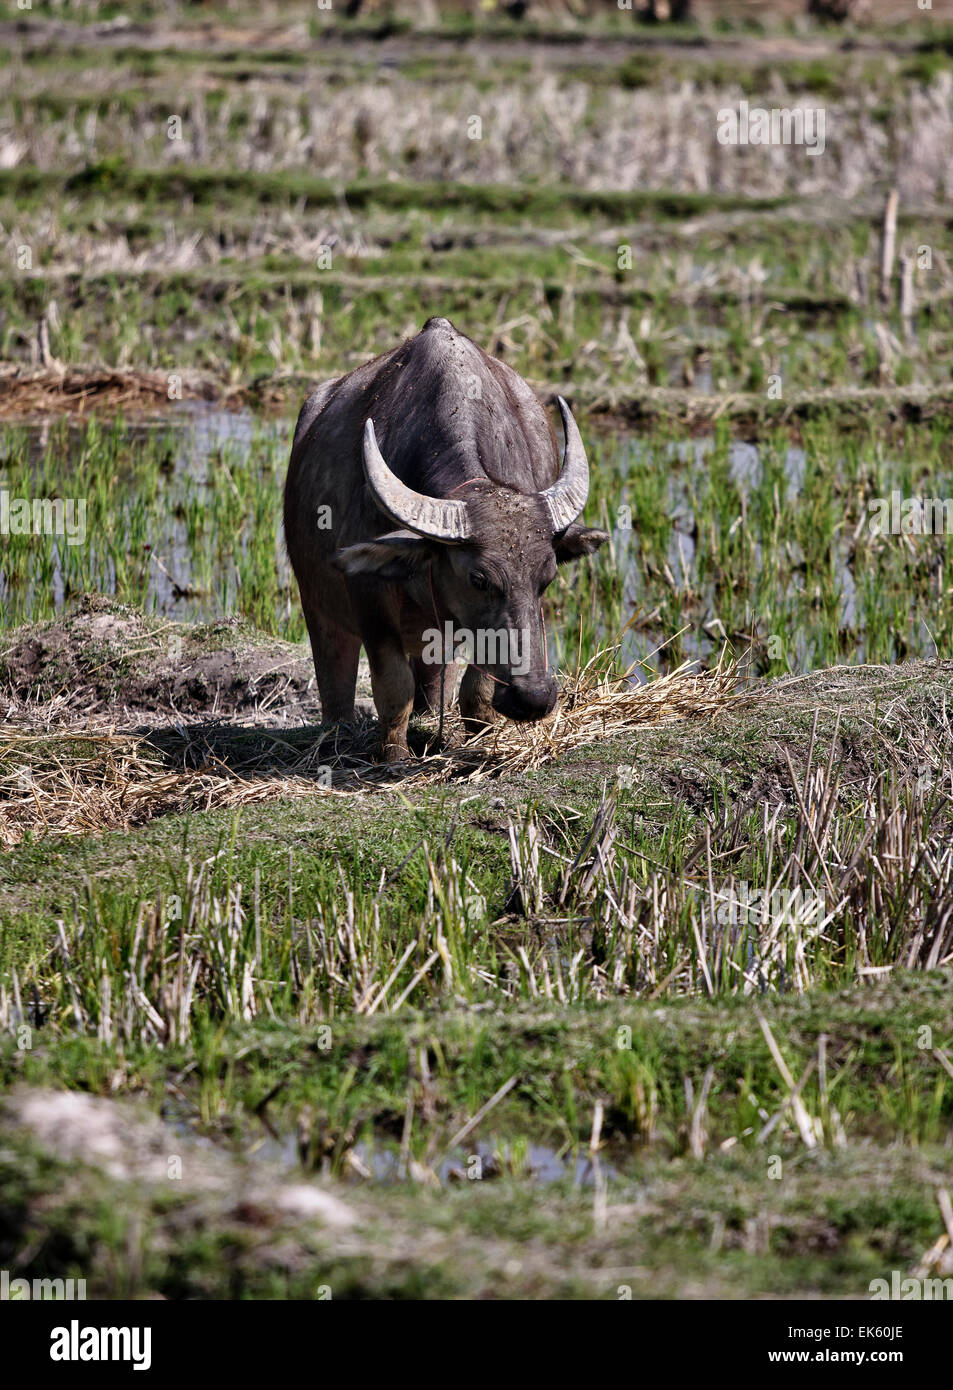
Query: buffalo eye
{"x":479,"y":580}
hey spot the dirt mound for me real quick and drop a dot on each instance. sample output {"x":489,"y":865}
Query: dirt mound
{"x":108,"y":660}
{"x":131,"y":1145}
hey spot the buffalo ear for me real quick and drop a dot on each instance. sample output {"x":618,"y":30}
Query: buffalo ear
{"x":395,"y":556}
{"x":578,"y":540}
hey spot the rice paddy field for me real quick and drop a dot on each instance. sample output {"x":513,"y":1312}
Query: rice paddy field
{"x":652,"y":1000}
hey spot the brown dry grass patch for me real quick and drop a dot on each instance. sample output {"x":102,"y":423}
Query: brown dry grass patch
{"x":84,"y":779}
{"x":58,"y":390}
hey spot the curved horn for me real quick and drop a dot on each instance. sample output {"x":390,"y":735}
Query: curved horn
{"x":567,"y":496}
{"x":440,"y":519}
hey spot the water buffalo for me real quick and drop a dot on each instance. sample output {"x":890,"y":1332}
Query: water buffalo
{"x":452,"y":446}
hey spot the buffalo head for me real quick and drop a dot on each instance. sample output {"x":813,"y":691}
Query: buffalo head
{"x":478,"y":563}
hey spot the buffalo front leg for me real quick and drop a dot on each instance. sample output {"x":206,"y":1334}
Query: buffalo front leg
{"x":336,"y":654}
{"x":476,"y":700}
{"x":392,"y":682}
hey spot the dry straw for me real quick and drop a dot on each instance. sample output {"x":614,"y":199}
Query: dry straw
{"x":26,"y":393}
{"x":64,"y":778}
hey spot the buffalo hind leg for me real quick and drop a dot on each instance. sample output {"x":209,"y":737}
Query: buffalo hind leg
{"x":427,"y":685}
{"x":336,"y":654}
{"x":476,"y":700}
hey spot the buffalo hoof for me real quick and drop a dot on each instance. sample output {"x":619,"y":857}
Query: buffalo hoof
{"x":394,"y":753}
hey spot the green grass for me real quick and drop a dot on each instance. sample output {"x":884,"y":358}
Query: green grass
{"x":769,"y":547}
{"x":394,"y":878}
{"x":689,"y":1230}
{"x":752,"y":1216}
{"x":883,"y":1081}
{"x":642,"y":289}
{"x":273,"y":1048}
{"x":114,"y":176}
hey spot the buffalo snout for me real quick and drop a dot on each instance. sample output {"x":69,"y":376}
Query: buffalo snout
{"x":526,"y":700}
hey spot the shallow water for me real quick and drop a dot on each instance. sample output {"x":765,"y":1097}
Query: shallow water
{"x":539,"y":1164}
{"x":199,"y":439}
{"x":199,"y":446}
{"x":382,"y":1163}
